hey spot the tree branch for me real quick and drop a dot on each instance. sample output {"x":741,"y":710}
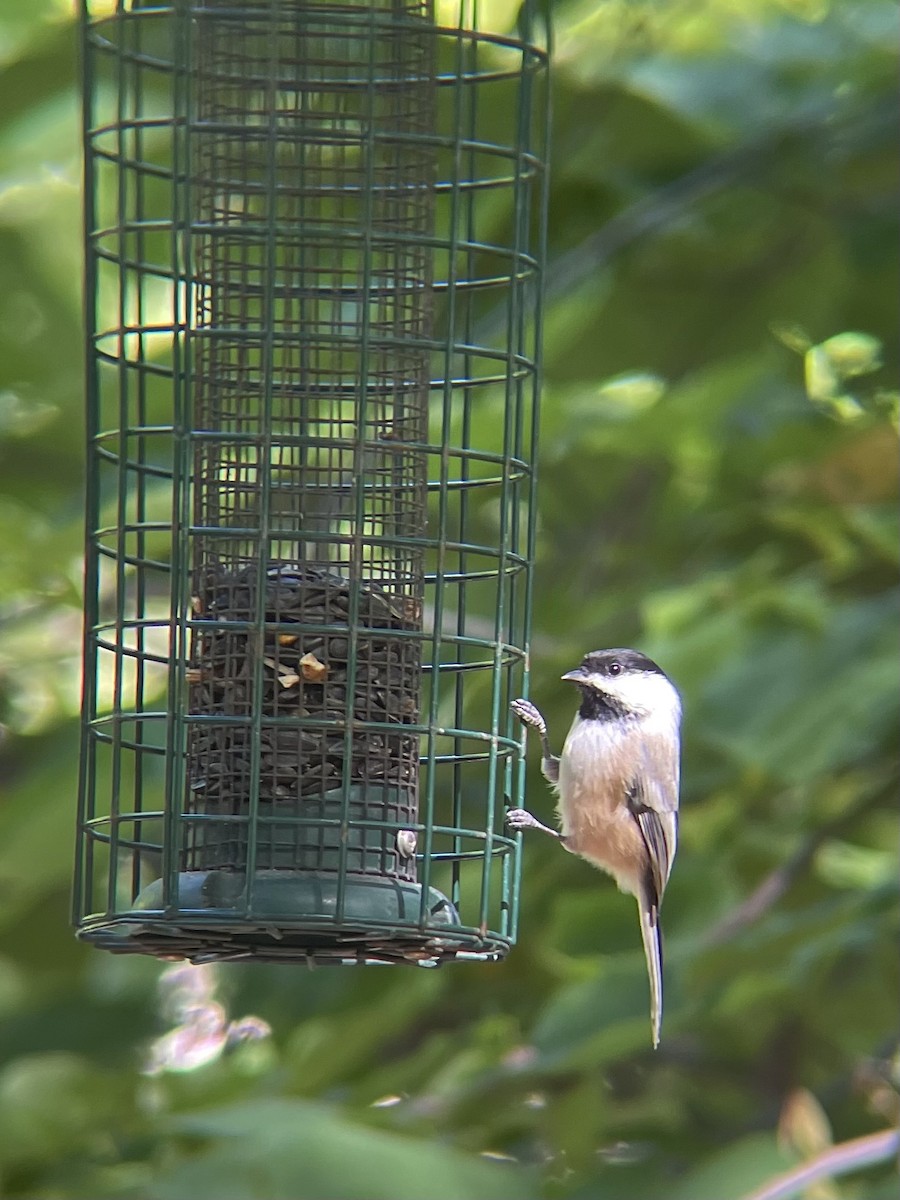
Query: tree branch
{"x":774,"y":886}
{"x":835,"y":1161}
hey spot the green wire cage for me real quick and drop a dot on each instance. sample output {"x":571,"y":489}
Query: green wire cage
{"x":313,"y":239}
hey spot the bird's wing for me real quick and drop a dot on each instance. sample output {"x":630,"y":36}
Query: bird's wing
{"x":653,"y":801}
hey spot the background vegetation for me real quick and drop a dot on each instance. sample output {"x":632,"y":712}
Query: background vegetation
{"x":718,"y":487}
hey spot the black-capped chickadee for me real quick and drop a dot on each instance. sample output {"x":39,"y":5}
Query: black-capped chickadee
{"x":617,"y":783}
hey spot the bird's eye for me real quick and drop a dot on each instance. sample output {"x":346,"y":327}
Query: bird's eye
{"x":615,"y":668}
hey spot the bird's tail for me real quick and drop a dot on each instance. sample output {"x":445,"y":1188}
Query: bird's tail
{"x":648,"y":909}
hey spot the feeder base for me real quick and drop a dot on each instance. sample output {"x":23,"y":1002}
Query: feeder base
{"x":291,"y":917}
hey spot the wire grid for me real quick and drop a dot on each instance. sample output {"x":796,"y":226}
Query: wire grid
{"x":313,"y":183}
{"x":348,"y":223}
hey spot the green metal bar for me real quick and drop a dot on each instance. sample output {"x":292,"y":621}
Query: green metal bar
{"x":359,"y":449}
{"x":503,"y":843}
{"x":518,"y":330}
{"x":121,"y":487}
{"x":441,"y":547}
{"x":82,"y":892}
{"x":505,"y":527}
{"x":182,"y":392}
{"x":540,"y":284}
{"x":459,"y":94}
{"x":237,"y":334}
{"x":264,"y":466}
{"x":141,"y":682}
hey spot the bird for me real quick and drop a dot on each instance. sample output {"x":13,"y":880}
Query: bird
{"x":617,"y":784}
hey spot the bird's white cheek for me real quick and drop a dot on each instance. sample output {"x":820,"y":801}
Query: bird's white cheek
{"x":643,"y":693}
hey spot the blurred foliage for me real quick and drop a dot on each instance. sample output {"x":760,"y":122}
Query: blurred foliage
{"x":718,"y":486}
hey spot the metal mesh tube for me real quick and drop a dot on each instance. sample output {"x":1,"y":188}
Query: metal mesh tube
{"x":312,"y":185}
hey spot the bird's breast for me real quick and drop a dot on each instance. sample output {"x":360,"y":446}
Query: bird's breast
{"x":595,"y":771}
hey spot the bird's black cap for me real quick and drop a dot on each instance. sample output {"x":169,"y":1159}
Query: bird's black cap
{"x":613,"y":662}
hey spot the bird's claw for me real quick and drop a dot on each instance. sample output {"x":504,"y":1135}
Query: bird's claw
{"x":519,"y":818}
{"x":529,"y":715}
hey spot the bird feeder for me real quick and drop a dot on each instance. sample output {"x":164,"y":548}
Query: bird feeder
{"x":313,"y":251}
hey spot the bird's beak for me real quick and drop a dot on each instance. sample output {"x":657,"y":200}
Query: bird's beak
{"x":576,"y":676}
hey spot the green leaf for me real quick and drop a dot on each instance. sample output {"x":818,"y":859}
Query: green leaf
{"x":598,"y":1019}
{"x":822,"y":377}
{"x":733,"y":1172}
{"x":271,"y":1149}
{"x":799,"y":704}
{"x":853,"y":353}
{"x":630,"y":393}
{"x":54,"y":1103}
{"x":844,"y":865}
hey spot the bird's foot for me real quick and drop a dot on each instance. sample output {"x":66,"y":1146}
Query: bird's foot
{"x":530,"y":715}
{"x":520,"y":818}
